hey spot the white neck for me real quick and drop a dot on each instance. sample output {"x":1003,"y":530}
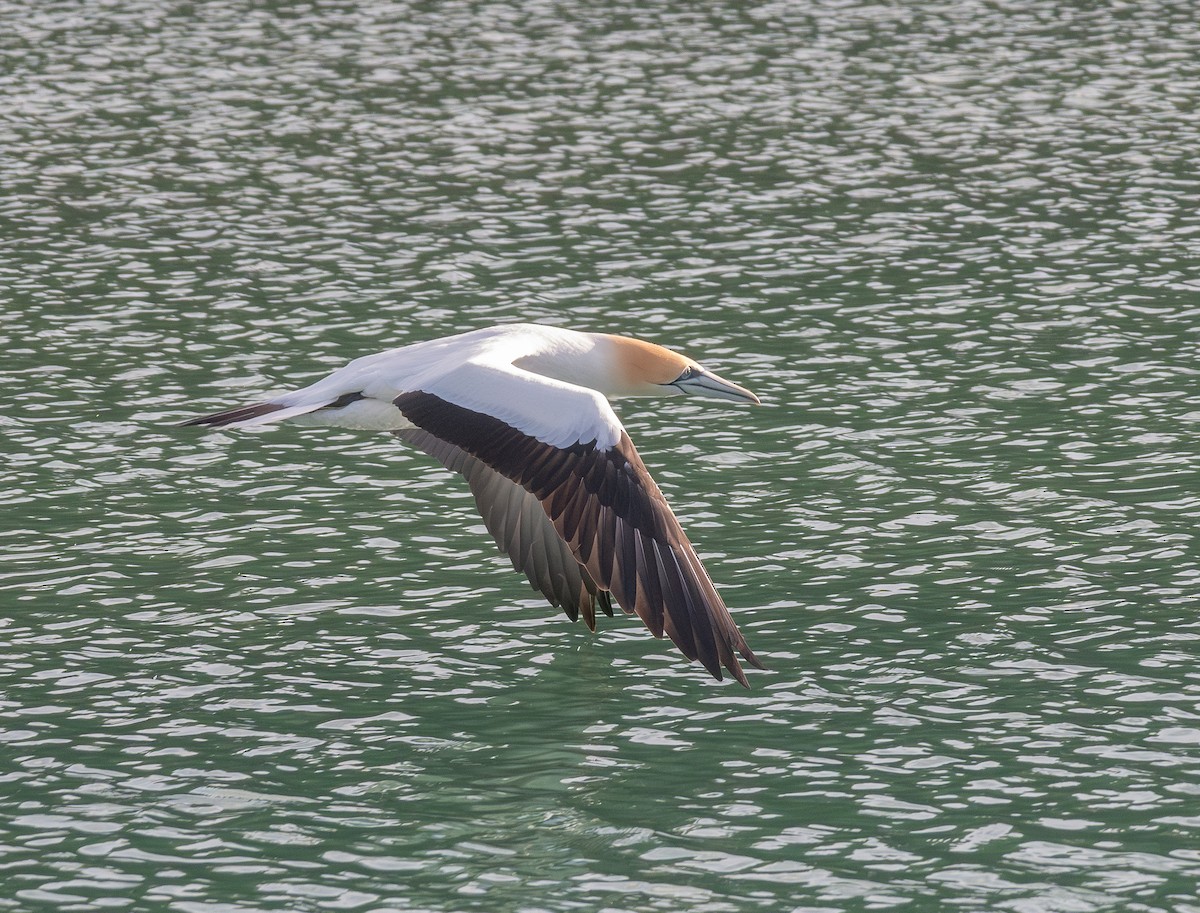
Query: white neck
{"x":572,"y":357}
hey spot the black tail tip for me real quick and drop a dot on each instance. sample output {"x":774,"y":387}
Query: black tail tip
{"x":232,"y":416}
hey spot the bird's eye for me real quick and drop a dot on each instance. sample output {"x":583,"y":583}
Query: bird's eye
{"x":688,"y":373}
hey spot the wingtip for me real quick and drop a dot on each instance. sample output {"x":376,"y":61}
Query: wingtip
{"x":735,"y":667}
{"x":753,"y":660}
{"x":740,"y":675}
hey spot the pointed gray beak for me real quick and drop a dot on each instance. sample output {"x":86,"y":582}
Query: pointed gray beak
{"x":702,"y":382}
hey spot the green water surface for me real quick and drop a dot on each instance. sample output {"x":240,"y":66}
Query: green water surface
{"x":952,"y":245}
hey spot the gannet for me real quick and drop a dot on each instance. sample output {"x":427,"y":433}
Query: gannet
{"x":522,"y":412}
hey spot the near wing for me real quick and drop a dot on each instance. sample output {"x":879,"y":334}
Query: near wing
{"x":521,"y":528}
{"x":600,"y":500}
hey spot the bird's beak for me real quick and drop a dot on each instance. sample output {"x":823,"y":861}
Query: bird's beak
{"x":702,"y":382}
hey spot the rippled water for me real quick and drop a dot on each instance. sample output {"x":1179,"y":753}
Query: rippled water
{"x":952,"y":245}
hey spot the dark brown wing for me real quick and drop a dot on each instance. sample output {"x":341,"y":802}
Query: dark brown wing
{"x":606,"y":507}
{"x":521,"y":528}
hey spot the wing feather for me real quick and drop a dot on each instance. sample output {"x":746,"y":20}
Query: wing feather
{"x":521,"y":528}
{"x":611,"y":518}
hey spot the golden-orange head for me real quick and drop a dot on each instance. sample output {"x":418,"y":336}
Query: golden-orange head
{"x":644,"y":369}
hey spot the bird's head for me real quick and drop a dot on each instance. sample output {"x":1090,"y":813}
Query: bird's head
{"x":645,"y":369}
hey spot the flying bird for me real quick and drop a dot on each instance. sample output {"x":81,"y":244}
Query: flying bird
{"x":522,"y":412}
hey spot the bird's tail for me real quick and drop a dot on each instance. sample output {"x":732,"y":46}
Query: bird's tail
{"x":255,"y":414}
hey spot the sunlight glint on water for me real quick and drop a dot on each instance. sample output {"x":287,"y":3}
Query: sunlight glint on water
{"x":951,"y":246}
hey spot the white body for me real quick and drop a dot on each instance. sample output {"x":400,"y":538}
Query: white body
{"x":511,"y":372}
